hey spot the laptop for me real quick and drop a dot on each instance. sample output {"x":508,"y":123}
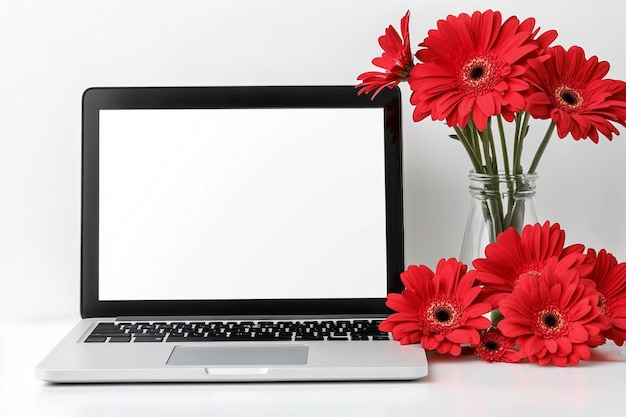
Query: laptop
{"x":238,"y":234}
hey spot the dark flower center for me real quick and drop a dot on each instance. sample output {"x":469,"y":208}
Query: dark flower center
{"x":551,"y":322}
{"x":478,"y":74}
{"x":442,"y":315}
{"x":568,"y":98}
{"x":491,"y":345}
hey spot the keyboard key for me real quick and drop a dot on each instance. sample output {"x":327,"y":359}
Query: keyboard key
{"x":265,"y":336}
{"x":337,"y":338}
{"x":106,"y":334}
{"x":118,"y":339}
{"x":309,"y":337}
{"x":148,"y":338}
{"x":177,"y":339}
{"x":95,"y":339}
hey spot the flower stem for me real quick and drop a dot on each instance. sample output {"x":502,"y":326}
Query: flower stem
{"x":488,"y":149}
{"x":542,"y":148}
{"x":492,"y":146}
{"x":474,"y":141}
{"x":505,"y":153}
{"x":470,"y":150}
{"x":521,"y":130}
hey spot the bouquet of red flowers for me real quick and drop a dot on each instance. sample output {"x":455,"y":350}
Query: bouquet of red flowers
{"x":475,"y":71}
{"x":550,"y":303}
{"x":473,"y":68}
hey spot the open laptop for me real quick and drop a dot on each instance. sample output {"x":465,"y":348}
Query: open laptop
{"x":238,"y":234}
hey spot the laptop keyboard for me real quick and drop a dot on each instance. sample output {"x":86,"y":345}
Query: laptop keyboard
{"x":201,"y":331}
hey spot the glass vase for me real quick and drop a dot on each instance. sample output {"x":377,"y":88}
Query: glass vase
{"x":498,"y":201}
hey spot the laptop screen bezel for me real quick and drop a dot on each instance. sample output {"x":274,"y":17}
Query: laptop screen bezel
{"x":106,"y":98}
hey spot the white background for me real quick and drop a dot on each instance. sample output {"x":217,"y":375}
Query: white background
{"x":50,"y":51}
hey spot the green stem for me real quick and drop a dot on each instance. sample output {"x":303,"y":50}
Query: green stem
{"x":470,"y":151}
{"x":505,"y":153}
{"x":521,"y":130}
{"x":475,"y":140}
{"x":525,"y":125}
{"x":542,"y":148}
{"x":517,"y":144}
{"x":492,"y":145}
{"x":488,"y":149}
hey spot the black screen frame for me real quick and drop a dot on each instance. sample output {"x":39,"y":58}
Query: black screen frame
{"x":101,"y":98}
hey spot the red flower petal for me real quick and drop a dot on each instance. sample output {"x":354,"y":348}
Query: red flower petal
{"x":495,"y":347}
{"x":610,"y":280}
{"x":396,"y":60}
{"x":471,"y":66}
{"x":437,"y":308}
{"x":572,"y":91}
{"x":463,"y":336}
{"x":553,"y":317}
{"x":515,"y":255}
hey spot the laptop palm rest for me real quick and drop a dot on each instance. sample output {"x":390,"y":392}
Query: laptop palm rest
{"x":240,"y":355}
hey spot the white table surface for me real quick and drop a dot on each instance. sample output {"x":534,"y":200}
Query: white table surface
{"x":463,"y":386}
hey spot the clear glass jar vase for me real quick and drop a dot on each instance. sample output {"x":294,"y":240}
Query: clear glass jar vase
{"x":498,"y":201}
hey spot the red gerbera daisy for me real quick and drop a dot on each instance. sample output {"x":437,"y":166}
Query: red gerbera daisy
{"x":552,"y":318}
{"x":396,"y":60}
{"x":495,"y":347}
{"x":438,"y":308}
{"x":471,"y":66}
{"x":570,"y":90}
{"x":610,"y":279}
{"x":514,"y":256}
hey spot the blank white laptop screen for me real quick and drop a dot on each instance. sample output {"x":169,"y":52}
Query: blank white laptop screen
{"x":218,"y":204}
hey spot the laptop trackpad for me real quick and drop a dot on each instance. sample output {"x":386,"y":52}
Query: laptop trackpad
{"x":240,"y":354}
